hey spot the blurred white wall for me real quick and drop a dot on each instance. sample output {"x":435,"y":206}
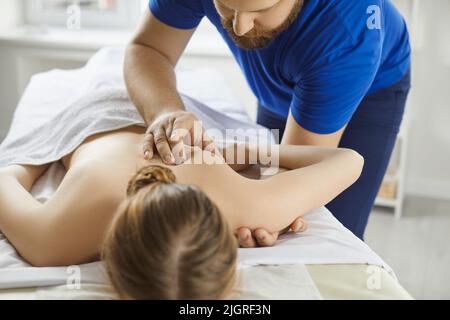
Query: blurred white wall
{"x":428,"y":167}
{"x":11,"y":13}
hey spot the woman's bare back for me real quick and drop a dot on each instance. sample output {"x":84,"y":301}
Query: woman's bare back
{"x":69,"y":228}
{"x":120,"y":153}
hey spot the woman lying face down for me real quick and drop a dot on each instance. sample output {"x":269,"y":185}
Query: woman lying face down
{"x":168,"y":233}
{"x":169,"y":241}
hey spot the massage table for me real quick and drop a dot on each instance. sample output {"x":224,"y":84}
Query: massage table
{"x":333,"y":282}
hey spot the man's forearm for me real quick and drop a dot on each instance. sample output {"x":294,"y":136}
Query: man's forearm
{"x":151,"y":82}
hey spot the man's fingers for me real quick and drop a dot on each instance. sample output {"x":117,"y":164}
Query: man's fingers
{"x":176,"y":142}
{"x":264,"y":238}
{"x":196,"y":134}
{"x":180,"y":129}
{"x":208,"y":143}
{"x":149,"y":143}
{"x":163,"y":147}
{"x":245,"y":238}
{"x":178,"y":134}
{"x":179,"y":152}
{"x":169,"y":128}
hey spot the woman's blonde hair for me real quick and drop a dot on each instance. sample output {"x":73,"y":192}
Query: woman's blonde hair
{"x":169,"y":241}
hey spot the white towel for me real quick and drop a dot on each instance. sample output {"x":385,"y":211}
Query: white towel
{"x":60,"y":109}
{"x":57,"y":112}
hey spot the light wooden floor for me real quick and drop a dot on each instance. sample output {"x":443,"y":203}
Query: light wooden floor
{"x":417,"y":246}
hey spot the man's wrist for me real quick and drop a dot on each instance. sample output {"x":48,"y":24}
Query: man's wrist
{"x":163,"y":112}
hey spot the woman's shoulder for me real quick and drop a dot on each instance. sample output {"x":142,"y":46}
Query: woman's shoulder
{"x":201,"y":167}
{"x":210,"y":172}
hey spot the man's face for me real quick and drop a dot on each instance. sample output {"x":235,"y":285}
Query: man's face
{"x":253,"y":24}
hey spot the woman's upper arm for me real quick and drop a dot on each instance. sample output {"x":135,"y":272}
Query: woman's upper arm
{"x":273,"y":204}
{"x":295,"y":134}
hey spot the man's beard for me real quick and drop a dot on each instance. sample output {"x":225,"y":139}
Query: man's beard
{"x":258,"y":39}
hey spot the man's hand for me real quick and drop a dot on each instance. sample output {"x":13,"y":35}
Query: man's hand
{"x":169,"y":133}
{"x":262,"y":238}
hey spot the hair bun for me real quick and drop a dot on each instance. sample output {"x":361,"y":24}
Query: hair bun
{"x":150,"y":175}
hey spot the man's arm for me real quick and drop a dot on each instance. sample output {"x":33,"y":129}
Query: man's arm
{"x":294,"y":134}
{"x":149,"y":66}
{"x":149,"y":74}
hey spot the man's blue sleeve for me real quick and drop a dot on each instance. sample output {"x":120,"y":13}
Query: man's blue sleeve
{"x":180,"y":14}
{"x":327,"y":95}
{"x":343,"y":62}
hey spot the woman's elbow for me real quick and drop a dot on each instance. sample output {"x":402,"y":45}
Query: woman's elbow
{"x":37,"y":255}
{"x":359,"y":164}
{"x":51,"y":251}
{"x":356,"y":162}
{"x":45,"y":258}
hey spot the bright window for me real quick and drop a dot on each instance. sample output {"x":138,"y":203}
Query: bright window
{"x":89,"y":13}
{"x":110,"y":15}
{"x":92,"y":5}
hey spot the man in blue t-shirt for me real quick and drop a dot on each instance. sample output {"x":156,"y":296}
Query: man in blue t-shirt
{"x":329,"y":73}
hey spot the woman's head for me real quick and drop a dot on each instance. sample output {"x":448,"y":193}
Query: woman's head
{"x":169,"y":241}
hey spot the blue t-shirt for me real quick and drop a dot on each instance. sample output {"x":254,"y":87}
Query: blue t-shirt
{"x":323,"y":65}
